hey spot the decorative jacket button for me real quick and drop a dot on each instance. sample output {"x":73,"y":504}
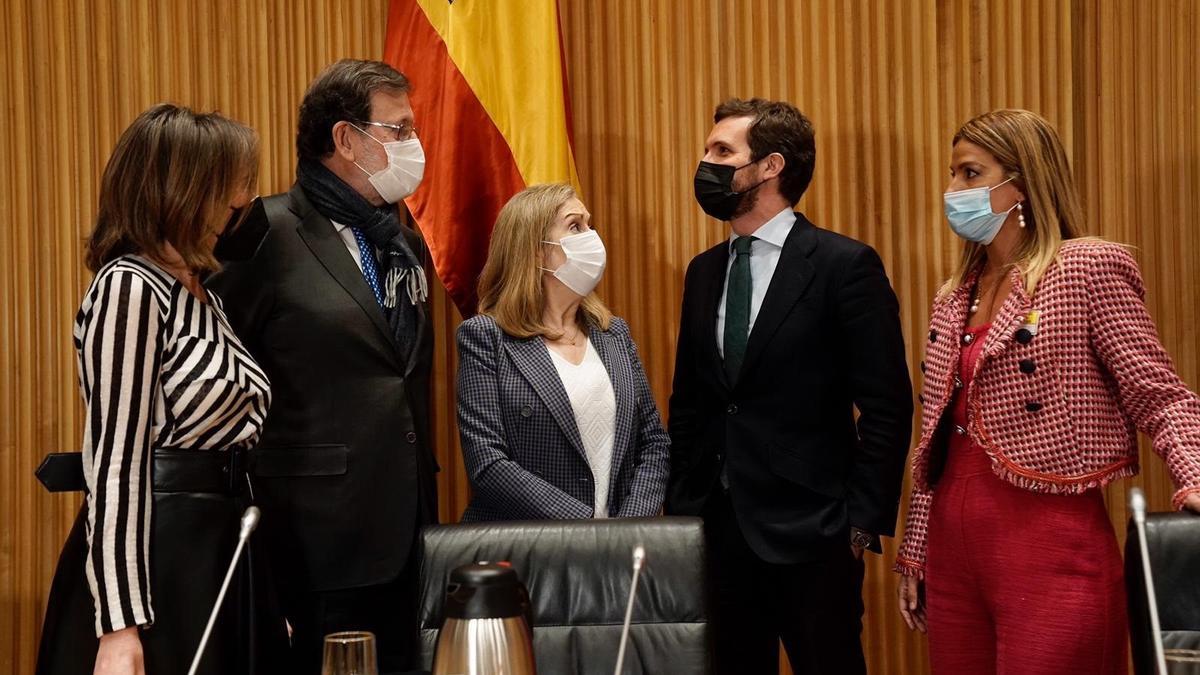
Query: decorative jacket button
{"x":968,"y":339}
{"x":1028,"y":366}
{"x":1033,"y":406}
{"x":411,"y":437}
{"x":958,"y":429}
{"x":526,"y":411}
{"x":1024,"y":336}
{"x":932,"y":336}
{"x":732,"y":409}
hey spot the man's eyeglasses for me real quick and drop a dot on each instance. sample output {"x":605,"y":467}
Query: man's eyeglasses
{"x":400,"y":132}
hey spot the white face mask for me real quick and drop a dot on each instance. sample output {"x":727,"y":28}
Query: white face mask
{"x":404,"y":170}
{"x":585,"y":263}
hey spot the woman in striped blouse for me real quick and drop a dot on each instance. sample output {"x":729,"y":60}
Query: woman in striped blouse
{"x":173,"y":401}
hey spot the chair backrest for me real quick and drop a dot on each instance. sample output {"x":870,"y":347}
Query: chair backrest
{"x":578,"y":574}
{"x":1173,"y":541}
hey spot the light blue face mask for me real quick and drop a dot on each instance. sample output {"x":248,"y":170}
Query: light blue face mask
{"x":970,"y":214}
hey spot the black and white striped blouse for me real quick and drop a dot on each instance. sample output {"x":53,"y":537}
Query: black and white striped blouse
{"x":158,"y":369}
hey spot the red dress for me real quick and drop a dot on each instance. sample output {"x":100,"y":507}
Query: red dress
{"x":1018,"y":582}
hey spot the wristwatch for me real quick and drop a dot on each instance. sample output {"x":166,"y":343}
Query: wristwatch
{"x":861,"y":539}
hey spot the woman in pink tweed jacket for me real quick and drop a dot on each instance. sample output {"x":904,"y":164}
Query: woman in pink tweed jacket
{"x":1041,"y":364}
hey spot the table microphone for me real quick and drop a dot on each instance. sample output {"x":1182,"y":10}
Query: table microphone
{"x":639,"y":557}
{"x":1137,"y":502}
{"x":249,"y":522}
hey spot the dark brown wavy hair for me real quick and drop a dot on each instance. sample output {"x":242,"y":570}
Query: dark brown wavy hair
{"x":171,"y":179}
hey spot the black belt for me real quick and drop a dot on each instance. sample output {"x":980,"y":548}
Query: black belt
{"x":220,"y":471}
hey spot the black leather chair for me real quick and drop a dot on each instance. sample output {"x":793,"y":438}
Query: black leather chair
{"x":578,"y":574}
{"x":1173,"y":541}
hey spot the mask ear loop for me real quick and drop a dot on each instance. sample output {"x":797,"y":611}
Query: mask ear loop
{"x":552,"y":243}
{"x":1008,"y":180}
{"x":361,"y":131}
{"x":759,"y":183}
{"x":1021,"y":216}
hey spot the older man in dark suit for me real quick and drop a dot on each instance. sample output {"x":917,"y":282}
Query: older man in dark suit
{"x":333,"y":307}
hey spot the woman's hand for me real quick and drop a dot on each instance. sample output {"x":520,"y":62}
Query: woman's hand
{"x":912,"y":602}
{"x":1192,"y":503}
{"x":120,"y":653}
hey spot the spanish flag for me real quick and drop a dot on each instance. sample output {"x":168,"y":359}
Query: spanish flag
{"x":492,"y":112}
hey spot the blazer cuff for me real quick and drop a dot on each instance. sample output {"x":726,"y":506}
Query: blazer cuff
{"x":1181,"y":496}
{"x":909,"y":568}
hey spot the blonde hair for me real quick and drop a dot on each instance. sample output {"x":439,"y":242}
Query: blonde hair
{"x":171,"y":179}
{"x":1031,"y":153}
{"x":510,"y":286}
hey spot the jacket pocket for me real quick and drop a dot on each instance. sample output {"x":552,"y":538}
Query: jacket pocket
{"x":804,"y":471}
{"x":302,"y":460}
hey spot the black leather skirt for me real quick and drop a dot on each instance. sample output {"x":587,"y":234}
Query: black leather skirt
{"x":199,"y":498}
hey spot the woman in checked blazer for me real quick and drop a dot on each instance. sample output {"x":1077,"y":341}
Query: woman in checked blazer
{"x":1041,"y":365}
{"x":554,"y":410}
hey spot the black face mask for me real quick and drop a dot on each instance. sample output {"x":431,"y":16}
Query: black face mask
{"x":244,"y":233}
{"x":714,"y":189}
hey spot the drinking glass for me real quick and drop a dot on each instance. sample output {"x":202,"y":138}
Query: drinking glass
{"x":350,"y":653}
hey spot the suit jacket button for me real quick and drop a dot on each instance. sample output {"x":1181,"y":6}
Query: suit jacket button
{"x":526,"y":411}
{"x":1033,"y":406}
{"x":411,"y":437}
{"x":732,"y":409}
{"x":1024,"y":336}
{"x":1028,"y":366}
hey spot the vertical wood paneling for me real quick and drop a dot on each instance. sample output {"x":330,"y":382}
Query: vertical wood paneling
{"x":885,"y":83}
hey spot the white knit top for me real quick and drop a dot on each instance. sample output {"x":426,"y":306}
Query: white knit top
{"x":595,"y":406}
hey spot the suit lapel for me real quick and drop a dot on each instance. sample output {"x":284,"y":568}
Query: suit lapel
{"x":422,"y":319}
{"x":328,"y":247}
{"x":620,"y":373}
{"x":1008,"y":320}
{"x":711,"y":277}
{"x":793,"y":274}
{"x":533,"y":361}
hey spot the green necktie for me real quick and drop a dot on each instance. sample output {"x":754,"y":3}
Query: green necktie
{"x":737,"y":308}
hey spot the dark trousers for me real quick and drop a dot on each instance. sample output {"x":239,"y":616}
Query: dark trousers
{"x":387,"y":610}
{"x":815,"y":607}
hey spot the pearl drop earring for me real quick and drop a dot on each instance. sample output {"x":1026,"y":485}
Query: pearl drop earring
{"x":1020,"y":215}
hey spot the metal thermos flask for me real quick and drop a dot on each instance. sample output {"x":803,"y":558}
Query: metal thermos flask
{"x":487,"y":629}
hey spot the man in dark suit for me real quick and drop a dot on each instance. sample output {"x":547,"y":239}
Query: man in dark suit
{"x":786,"y":331}
{"x":333,"y":307}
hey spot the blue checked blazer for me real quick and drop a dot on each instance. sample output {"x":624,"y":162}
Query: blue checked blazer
{"x":523,"y":451}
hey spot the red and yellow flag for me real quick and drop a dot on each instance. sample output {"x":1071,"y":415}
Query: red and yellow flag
{"x":491,"y":106}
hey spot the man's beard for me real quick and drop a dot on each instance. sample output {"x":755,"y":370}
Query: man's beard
{"x":748,"y":202}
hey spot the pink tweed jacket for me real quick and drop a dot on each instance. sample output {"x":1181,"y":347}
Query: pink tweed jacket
{"x":1065,"y":380}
